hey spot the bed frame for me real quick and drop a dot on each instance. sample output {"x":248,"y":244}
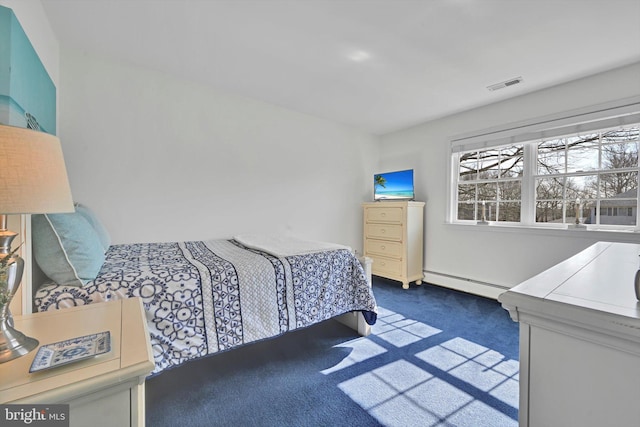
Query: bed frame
{"x":355,"y":320}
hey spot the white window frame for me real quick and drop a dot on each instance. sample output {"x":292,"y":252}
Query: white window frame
{"x":617,"y":113}
{"x":481,"y":181}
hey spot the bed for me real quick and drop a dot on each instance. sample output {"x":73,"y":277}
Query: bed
{"x":204,"y":297}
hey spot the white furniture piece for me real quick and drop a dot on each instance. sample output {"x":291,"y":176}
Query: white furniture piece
{"x":355,"y":319}
{"x":103,"y":391}
{"x":393,"y":238}
{"x":580,"y":340}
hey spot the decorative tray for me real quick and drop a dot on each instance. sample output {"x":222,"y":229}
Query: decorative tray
{"x":72,"y":350}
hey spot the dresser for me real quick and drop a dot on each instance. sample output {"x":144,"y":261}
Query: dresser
{"x":393,"y":239}
{"x":580,"y":340}
{"x":103,"y":391}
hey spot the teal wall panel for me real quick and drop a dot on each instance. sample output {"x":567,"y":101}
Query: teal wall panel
{"x":27,"y":93}
{"x":5,"y":50}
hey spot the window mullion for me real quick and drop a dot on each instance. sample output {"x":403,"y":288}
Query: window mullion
{"x":452,"y":207}
{"x":528,"y":213}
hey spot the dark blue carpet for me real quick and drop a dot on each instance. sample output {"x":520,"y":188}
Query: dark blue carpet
{"x":437,"y":357}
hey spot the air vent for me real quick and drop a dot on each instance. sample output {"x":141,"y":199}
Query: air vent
{"x":502,"y":85}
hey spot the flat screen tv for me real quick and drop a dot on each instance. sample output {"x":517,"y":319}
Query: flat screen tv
{"x":396,"y":185}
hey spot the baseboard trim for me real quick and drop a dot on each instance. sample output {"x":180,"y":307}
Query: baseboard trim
{"x":484,"y":289}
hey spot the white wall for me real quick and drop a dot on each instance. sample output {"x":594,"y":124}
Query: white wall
{"x":499,"y":257}
{"x":163,"y":159}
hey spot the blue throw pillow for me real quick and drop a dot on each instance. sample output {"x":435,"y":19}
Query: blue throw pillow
{"x":88,"y":214}
{"x":67,"y":248}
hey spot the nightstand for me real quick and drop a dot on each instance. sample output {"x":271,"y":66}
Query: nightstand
{"x":106,"y":390}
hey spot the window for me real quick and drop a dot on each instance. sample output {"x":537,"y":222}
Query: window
{"x":490,"y":184}
{"x":551,"y":174}
{"x":578,"y":176}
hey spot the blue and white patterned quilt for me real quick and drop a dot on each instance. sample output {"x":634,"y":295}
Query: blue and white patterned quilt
{"x":203,"y":297}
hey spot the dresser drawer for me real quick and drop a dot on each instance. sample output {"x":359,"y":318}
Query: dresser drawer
{"x":385,"y":248}
{"x":385,"y":266}
{"x":384,"y":231}
{"x":384,"y":214}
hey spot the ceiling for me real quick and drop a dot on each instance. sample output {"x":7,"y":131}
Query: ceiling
{"x":377,"y":65}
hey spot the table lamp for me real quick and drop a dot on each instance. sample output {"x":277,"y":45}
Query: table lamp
{"x":33,"y":179}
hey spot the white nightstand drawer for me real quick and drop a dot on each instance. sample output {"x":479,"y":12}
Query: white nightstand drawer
{"x":385,"y":266}
{"x":384,"y":231}
{"x":385,"y":248}
{"x":384,"y":214}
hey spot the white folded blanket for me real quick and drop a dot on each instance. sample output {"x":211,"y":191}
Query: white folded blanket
{"x":281,"y":246}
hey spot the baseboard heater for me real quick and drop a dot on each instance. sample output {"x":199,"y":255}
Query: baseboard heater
{"x":485,"y":289}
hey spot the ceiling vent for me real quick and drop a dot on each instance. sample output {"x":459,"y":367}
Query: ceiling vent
{"x":502,"y":85}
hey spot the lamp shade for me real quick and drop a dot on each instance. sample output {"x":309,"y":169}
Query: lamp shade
{"x":33,"y":177}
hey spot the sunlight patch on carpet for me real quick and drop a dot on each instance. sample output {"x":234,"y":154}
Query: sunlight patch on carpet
{"x":452,"y":383}
{"x":400,"y":331}
{"x":361,"y":349}
{"x":481,"y":367}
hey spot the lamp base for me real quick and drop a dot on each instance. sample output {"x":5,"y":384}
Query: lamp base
{"x":14,"y":344}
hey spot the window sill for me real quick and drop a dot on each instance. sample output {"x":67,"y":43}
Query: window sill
{"x":587,"y":233}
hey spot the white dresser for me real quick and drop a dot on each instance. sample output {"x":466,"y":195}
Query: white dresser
{"x":580,"y":340}
{"x":393,"y":238}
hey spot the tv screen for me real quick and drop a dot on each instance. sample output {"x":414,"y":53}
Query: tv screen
{"x":393,"y":185}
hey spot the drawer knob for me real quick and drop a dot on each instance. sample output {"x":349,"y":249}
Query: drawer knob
{"x":383,"y":230}
{"x":383,"y":247}
{"x":383,"y":214}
